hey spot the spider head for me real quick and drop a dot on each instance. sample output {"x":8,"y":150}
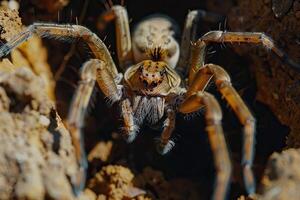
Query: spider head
{"x":151,"y":73}
{"x":152,"y":78}
{"x":153,"y":39}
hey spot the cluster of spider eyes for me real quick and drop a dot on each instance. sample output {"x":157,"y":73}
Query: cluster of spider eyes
{"x":153,"y":83}
{"x":144,"y":76}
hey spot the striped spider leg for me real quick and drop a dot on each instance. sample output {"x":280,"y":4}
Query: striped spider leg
{"x":123,"y":38}
{"x":192,"y":22}
{"x":197,"y":57}
{"x":101,"y":69}
{"x":200,"y":74}
{"x":213,"y":115}
{"x":194,"y":100}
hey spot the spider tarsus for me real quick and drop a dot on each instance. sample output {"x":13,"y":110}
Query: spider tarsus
{"x":249,"y":180}
{"x":162,"y":148}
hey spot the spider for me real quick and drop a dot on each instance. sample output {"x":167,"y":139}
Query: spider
{"x":153,"y":88}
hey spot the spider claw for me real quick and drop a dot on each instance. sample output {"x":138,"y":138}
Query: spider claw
{"x":164,"y":148}
{"x":130,"y":137}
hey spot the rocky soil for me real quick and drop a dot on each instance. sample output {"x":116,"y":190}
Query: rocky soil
{"x":36,"y":154}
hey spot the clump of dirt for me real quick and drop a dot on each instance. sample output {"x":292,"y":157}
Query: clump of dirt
{"x":115,"y":182}
{"x":119,"y":183}
{"x":10,"y":23}
{"x":277,"y":84}
{"x":282,"y":176}
{"x":36,"y":154}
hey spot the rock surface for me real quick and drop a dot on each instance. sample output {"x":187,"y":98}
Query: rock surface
{"x":36,"y":154}
{"x":282,"y":176}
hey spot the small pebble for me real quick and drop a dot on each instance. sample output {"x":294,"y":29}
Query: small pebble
{"x":44,"y":120}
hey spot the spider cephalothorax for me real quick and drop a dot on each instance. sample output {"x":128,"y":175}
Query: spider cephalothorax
{"x":152,"y":78}
{"x":151,"y":87}
{"x":152,"y":73}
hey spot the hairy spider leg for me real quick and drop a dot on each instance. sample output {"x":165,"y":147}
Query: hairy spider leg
{"x":223,"y":82}
{"x":124,"y":45}
{"x":192,"y":22}
{"x":130,"y":129}
{"x":198,"y":48}
{"x":75,"y":120}
{"x":165,"y":144}
{"x":63,"y":32}
{"x":213,"y":115}
{"x":92,"y":71}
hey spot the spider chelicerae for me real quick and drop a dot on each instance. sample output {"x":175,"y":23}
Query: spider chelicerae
{"x":155,"y":79}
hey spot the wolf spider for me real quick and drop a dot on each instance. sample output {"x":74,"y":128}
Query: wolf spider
{"x":153,"y":89}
